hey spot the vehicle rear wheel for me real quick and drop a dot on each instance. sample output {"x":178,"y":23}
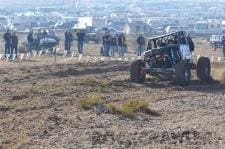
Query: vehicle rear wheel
{"x":204,"y":69}
{"x":183,"y":73}
{"x":137,"y":72}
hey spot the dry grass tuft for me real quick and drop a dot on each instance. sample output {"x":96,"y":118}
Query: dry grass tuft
{"x":129,"y":108}
{"x":89,"y":102}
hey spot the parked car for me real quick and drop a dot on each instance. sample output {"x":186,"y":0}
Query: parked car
{"x":216,"y":41}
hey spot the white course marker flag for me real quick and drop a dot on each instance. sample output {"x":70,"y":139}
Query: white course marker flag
{"x":28,"y":55}
{"x":64,"y":53}
{"x":94,"y":59}
{"x":219,"y":59}
{"x":71,"y":58}
{"x":40,"y":52}
{"x":21,"y":57}
{"x":212,"y":59}
{"x":7,"y":57}
{"x":46,"y":52}
{"x":79,"y":57}
{"x":102,"y":58}
{"x":35,"y":54}
{"x":14,"y":57}
{"x":198,"y":56}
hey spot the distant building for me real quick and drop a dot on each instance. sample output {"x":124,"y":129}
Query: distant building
{"x":83,"y":23}
{"x":117,"y":23}
{"x":137,"y":27}
{"x":216,"y":12}
{"x":99,"y":22}
{"x":208,"y":27}
{"x":4,"y":22}
{"x":2,"y":28}
{"x":29,"y":20}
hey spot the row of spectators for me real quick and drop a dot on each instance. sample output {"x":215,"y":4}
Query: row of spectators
{"x":111,"y":43}
{"x":11,"y":44}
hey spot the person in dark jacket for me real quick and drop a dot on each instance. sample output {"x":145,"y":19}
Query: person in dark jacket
{"x":7,"y":38}
{"x":106,"y":43}
{"x":223,"y":44}
{"x":39,"y":36}
{"x":68,"y":41}
{"x":80,"y":41}
{"x":113,"y":46}
{"x":121,"y":44}
{"x":30,"y":40}
{"x":140,"y":45}
{"x":14,"y":44}
{"x":45,"y":34}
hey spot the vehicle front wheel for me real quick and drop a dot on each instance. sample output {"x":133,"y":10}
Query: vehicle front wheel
{"x":183,"y":73}
{"x":137,"y":72}
{"x":204,"y":69}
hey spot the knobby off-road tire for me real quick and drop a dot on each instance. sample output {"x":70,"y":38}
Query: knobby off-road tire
{"x":137,"y":73}
{"x":182,"y":73}
{"x":204,"y":70}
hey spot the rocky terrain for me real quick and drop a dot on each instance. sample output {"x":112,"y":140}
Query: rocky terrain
{"x":39,"y":107}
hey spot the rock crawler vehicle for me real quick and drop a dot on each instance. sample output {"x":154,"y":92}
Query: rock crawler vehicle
{"x":170,"y":54}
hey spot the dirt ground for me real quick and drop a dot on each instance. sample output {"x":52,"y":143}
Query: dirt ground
{"x":39,"y":106}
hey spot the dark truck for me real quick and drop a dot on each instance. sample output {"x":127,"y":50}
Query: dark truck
{"x":170,"y":54}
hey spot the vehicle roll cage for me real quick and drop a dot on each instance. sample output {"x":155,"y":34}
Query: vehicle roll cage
{"x":167,"y":39}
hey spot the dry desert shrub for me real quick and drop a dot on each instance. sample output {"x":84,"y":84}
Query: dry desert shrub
{"x":129,"y":108}
{"x":89,"y":102}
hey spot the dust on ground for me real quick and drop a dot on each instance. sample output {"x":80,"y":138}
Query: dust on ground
{"x":38,"y":107}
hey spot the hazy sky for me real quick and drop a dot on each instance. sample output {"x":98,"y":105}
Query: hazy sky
{"x":34,"y":3}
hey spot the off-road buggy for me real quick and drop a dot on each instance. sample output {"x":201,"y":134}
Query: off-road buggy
{"x":170,"y":54}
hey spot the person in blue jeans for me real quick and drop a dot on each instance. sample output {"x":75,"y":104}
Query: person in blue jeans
{"x":121,"y":45}
{"x":14,"y":44}
{"x":80,"y":41}
{"x":68,"y":41}
{"x":106,"y":43}
{"x":223,"y":46}
{"x":141,"y":45}
{"x":7,"y":38}
{"x":113,"y":46}
{"x":30,"y":41}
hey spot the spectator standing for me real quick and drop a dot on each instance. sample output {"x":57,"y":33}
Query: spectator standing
{"x":121,"y":44}
{"x":45,"y":34}
{"x":80,"y":41}
{"x":39,"y":36}
{"x":140,"y":45}
{"x":223,"y":43}
{"x":106,"y":43}
{"x":113,"y":46}
{"x":68,"y":41}
{"x":14,"y":44}
{"x":30,"y":40}
{"x":7,"y":38}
